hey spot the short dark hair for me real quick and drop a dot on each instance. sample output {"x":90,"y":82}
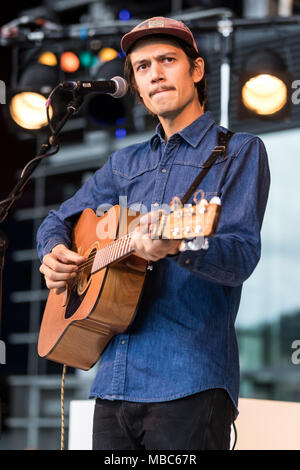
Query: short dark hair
{"x":191,"y":54}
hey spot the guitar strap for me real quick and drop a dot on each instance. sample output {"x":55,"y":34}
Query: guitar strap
{"x":218,"y":151}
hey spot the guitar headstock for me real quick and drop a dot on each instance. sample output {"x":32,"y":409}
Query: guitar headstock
{"x":189,"y":221}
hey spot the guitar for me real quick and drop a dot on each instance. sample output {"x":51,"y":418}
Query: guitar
{"x":103,"y":298}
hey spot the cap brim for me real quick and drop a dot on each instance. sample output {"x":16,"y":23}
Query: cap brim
{"x":130,"y":38}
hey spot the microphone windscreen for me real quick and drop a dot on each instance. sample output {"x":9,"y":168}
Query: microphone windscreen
{"x":121,"y":87}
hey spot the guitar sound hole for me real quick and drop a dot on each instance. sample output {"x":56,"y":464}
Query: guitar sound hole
{"x":85,"y":275}
{"x":74,"y":303}
{"x":78,"y":293}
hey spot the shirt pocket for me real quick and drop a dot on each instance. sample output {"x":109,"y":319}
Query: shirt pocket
{"x":212,"y":182}
{"x":136,"y":169}
{"x":201,"y":165}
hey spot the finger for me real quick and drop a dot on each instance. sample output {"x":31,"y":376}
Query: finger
{"x":55,"y":284}
{"x":56,"y":276}
{"x":152,"y":248}
{"x":63,"y":254}
{"x":136,"y":239}
{"x":53,"y":263}
{"x":144,"y":247}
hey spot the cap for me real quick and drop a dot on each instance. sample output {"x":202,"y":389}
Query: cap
{"x":158,"y":25}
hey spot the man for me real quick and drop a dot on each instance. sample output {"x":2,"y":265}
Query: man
{"x":171,"y":381}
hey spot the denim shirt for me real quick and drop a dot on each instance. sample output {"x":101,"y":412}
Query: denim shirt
{"x":182,"y":340}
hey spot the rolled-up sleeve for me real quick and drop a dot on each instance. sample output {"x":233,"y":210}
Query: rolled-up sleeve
{"x":234,"y":251}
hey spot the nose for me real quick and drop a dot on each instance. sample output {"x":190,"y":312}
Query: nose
{"x":156,"y":72}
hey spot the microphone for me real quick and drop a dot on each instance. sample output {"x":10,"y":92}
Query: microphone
{"x":116,"y":87}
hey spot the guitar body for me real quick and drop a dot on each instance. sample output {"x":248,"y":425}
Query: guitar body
{"x":100,"y":306}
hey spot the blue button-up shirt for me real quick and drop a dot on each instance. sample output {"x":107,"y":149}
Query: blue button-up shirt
{"x":183,"y":339}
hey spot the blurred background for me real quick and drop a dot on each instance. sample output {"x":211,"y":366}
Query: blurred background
{"x":252,"y":56}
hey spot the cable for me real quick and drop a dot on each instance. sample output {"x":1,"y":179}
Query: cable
{"x":40,"y":157}
{"x":16,"y":195}
{"x":235,"y":435}
{"x":52,"y":140}
{"x":48,"y":102}
{"x":62,"y":408}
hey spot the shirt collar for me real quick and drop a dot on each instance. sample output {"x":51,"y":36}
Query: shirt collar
{"x":192,"y":134}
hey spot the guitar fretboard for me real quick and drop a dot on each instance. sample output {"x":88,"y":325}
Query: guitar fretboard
{"x":111,"y":253}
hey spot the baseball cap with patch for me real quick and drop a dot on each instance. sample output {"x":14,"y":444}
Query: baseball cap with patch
{"x":158,"y":25}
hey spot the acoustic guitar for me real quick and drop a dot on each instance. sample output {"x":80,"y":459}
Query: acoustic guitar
{"x":102,"y":299}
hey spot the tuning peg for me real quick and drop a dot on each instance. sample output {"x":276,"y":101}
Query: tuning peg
{"x":196,"y":199}
{"x":202,"y":206}
{"x":215,"y":200}
{"x":175,"y":204}
{"x":196,"y":244}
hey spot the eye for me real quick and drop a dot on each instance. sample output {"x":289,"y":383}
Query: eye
{"x":169,"y":59}
{"x":141,"y":67}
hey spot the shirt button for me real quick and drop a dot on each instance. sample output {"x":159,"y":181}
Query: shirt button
{"x":156,"y":204}
{"x":187,"y":261}
{"x":164,"y":170}
{"x":123,"y":341}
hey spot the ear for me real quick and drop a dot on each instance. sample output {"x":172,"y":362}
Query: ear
{"x":198,"y":71}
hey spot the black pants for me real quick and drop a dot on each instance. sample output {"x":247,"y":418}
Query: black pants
{"x":197,"y":422}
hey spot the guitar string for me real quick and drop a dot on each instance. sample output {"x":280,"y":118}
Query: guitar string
{"x":116,"y":243}
{"x":90,"y":260}
{"x":72,"y":285}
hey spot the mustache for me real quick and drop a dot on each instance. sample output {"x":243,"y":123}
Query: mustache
{"x":162,"y":88}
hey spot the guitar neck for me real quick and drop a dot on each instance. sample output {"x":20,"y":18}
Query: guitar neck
{"x":111,"y":253}
{"x":187,"y":223}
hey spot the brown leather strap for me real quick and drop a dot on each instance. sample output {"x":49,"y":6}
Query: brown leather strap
{"x":218,"y":151}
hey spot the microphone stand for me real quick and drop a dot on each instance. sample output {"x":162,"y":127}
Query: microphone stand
{"x":16,"y":193}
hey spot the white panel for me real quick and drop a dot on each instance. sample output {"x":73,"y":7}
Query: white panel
{"x":81,"y":424}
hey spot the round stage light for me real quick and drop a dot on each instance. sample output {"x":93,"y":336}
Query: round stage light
{"x":264,"y":85}
{"x":69,"y":62}
{"x":124,"y":15}
{"x":108,"y":53}
{"x":87,"y":59}
{"x":48,"y":58}
{"x":264,"y":94}
{"x":28,"y":110}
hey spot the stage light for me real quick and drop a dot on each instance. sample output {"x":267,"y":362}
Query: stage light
{"x":108,"y":53}
{"x":69,"y":62}
{"x":104,"y":111}
{"x":264,"y":94}
{"x":48,"y":58}
{"x":28,"y":110}
{"x":120,"y":133}
{"x":264,"y":86}
{"x":87,"y":59}
{"x":124,"y":15}
{"x":27,"y":104}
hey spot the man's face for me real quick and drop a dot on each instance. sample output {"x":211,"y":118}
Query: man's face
{"x":163,"y":76}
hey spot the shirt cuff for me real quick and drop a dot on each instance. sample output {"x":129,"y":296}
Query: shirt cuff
{"x":51,"y":244}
